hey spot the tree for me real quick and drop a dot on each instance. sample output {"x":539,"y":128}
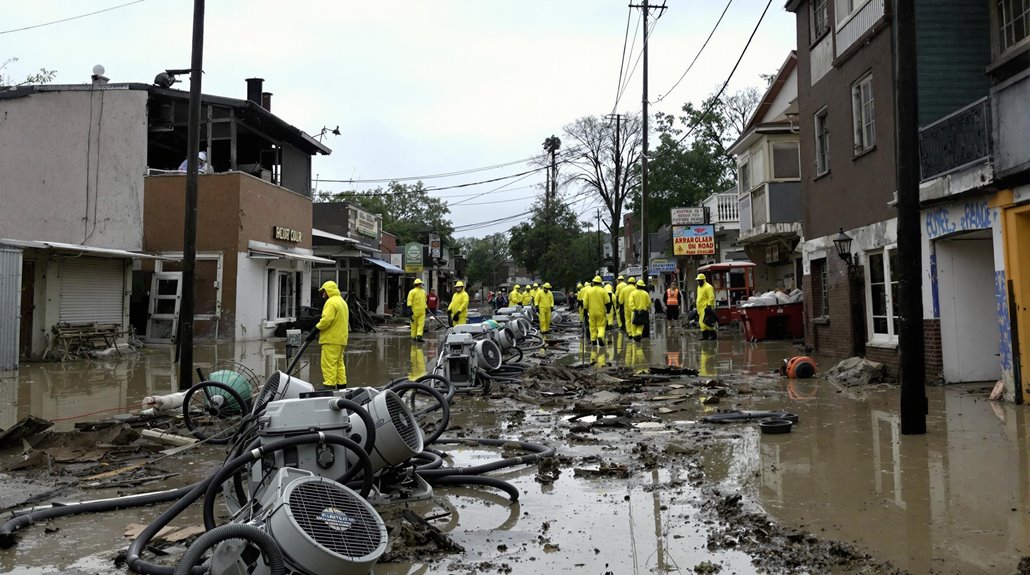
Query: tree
{"x":487,"y":259}
{"x":692,"y":160}
{"x":407,"y":209}
{"x":43,"y":76}
{"x":541,"y":245}
{"x":608,"y":151}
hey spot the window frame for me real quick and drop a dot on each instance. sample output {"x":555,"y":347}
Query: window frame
{"x":891,"y":281}
{"x":816,"y":33}
{"x":863,"y":113}
{"x":275,"y":297}
{"x":823,"y":280}
{"x":999,"y":26}
{"x":744,"y":175}
{"x":772,"y":159}
{"x":822,"y":146}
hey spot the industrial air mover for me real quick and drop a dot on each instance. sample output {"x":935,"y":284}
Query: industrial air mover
{"x":321,"y":526}
{"x":280,"y":386}
{"x":398,"y":435}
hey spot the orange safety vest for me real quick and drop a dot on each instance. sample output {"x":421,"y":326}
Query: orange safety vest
{"x":672,"y":297}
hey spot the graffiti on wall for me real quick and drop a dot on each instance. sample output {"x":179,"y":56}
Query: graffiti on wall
{"x":973,"y":215}
{"x":1001,"y":300}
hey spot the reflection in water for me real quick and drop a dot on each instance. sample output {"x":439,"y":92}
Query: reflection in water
{"x":418,"y":363}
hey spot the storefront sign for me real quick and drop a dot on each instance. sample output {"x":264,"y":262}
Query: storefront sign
{"x":286,"y":234}
{"x":365,"y":224}
{"x":693,"y":240}
{"x":687,"y":216}
{"x":435,"y":251}
{"x":413,"y":258}
{"x":662,"y":266}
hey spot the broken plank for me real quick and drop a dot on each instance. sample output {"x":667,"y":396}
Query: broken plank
{"x":167,"y":438}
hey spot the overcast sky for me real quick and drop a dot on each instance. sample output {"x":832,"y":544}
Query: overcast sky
{"x":417,"y":87}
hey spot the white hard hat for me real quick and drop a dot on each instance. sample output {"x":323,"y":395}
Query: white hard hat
{"x":202,"y":156}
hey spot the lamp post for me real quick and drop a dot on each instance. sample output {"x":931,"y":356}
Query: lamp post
{"x":843,"y":245}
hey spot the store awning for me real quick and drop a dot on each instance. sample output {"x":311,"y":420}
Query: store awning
{"x":78,"y":248}
{"x":270,"y":254}
{"x":385,"y":266}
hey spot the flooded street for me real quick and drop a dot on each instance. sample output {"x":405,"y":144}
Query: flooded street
{"x":956,"y":500}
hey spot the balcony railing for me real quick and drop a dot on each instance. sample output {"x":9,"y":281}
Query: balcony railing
{"x":722,"y":208}
{"x":956,"y":141}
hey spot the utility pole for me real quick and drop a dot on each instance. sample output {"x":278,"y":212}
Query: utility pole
{"x":906,"y":130}
{"x":600,"y":253}
{"x":189,"y":239}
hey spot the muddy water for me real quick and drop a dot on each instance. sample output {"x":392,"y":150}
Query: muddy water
{"x":953,"y":501}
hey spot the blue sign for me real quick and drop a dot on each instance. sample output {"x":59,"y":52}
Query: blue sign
{"x":663,"y":267}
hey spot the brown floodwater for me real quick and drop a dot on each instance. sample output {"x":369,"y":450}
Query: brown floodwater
{"x":956,"y":500}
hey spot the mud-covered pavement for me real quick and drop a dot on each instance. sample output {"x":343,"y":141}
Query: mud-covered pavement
{"x":639,"y":484}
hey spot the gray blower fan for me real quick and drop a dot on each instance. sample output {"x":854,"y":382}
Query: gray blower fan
{"x":320,"y":525}
{"x":398,"y":436}
{"x":280,"y":386}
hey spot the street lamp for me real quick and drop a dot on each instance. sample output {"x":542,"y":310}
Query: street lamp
{"x":843,"y":245}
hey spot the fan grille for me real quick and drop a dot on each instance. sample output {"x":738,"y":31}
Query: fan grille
{"x":335,"y":519}
{"x":403,"y":422}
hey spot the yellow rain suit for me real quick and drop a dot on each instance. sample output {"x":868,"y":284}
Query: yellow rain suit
{"x":635,"y":300}
{"x":417,"y":305}
{"x":333,"y":333}
{"x":627,"y":316}
{"x":458,"y":310}
{"x":611,"y":297}
{"x":705,"y":299}
{"x":619,"y":315}
{"x":545,"y":303}
{"x":515,"y":297}
{"x":596,"y":300}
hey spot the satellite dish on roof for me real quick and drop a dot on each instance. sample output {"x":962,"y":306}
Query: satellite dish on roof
{"x":98,"y":70}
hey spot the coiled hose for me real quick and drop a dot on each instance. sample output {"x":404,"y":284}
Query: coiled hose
{"x":268,"y":546}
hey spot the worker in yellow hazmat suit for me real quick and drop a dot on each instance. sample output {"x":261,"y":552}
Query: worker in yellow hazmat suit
{"x":515,"y":297}
{"x":417,"y":305}
{"x":333,"y":331}
{"x":545,"y":303}
{"x":611,"y":308}
{"x":620,"y":284}
{"x":598,"y":304}
{"x":638,"y":300}
{"x":705,"y":300}
{"x":458,"y":310}
{"x":631,"y":286}
{"x":581,"y":292}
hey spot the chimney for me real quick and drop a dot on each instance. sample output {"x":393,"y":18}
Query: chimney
{"x":254,"y":89}
{"x":266,"y":100}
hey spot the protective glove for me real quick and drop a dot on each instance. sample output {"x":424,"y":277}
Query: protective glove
{"x":455,"y":318}
{"x":312,"y":335}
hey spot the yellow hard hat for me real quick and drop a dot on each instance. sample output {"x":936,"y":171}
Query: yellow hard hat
{"x":700,"y":277}
{"x":418,"y":282}
{"x":640,"y":283}
{"x":536,"y":284}
{"x":632,"y":279}
{"x":547,"y":285}
{"x":516,"y":286}
{"x":597,"y":279}
{"x":459,"y":283}
{"x":620,"y":278}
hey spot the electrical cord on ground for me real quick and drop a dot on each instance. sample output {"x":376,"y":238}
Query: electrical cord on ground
{"x":268,"y":546}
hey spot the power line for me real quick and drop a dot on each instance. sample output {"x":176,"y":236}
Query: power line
{"x":23,"y":28}
{"x":622,"y":61}
{"x":647,"y":34}
{"x":698,"y":55}
{"x":715,"y":98}
{"x":432,"y":176}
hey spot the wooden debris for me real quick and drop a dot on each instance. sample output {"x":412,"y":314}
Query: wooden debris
{"x":29,"y":425}
{"x":167,"y":438}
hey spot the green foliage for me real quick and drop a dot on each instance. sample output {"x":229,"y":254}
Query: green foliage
{"x":407,"y":209}
{"x":487,"y":259}
{"x":43,"y":76}
{"x":547,"y":245}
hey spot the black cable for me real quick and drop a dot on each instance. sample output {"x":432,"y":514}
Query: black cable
{"x":698,"y":55}
{"x":537,"y":452}
{"x":52,"y":22}
{"x":269,"y":547}
{"x":460,"y":480}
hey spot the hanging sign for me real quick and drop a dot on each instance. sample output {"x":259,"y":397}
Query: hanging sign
{"x":693,"y":240}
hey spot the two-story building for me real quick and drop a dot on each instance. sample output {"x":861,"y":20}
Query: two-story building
{"x":90,"y":177}
{"x":769,"y":183}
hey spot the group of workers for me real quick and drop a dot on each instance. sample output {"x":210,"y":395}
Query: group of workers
{"x":601,"y":306}
{"x":628,"y":307}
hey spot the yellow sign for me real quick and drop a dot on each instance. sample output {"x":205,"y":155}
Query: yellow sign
{"x":693,"y":240}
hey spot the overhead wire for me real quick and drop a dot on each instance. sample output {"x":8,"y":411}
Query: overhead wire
{"x":715,"y":99}
{"x":622,"y":61}
{"x":698,"y":55}
{"x":431,"y":176}
{"x":52,"y":22}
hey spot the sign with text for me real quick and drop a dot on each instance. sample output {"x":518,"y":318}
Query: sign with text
{"x":435,"y":250}
{"x":413,"y":258}
{"x":287,"y":234}
{"x":693,"y":240}
{"x":661,"y":266}
{"x":687,"y":216}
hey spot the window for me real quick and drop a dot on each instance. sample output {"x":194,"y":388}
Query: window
{"x":744,"y":171}
{"x":786,"y":163}
{"x":882,"y":281}
{"x":820,"y":284}
{"x":822,"y":143}
{"x":1013,"y":22}
{"x":863,"y":113}
{"x":844,"y":8}
{"x":820,"y":19}
{"x":282,"y":294}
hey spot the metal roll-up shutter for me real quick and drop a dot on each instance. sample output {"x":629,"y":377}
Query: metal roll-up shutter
{"x":92,"y":290}
{"x":10,"y":301}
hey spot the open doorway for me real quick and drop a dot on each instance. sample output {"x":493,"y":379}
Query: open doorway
{"x":969,"y":317}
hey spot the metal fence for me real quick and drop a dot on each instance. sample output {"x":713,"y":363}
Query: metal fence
{"x":956,"y":141}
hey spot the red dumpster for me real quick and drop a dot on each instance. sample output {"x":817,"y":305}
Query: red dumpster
{"x":785,"y":321}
